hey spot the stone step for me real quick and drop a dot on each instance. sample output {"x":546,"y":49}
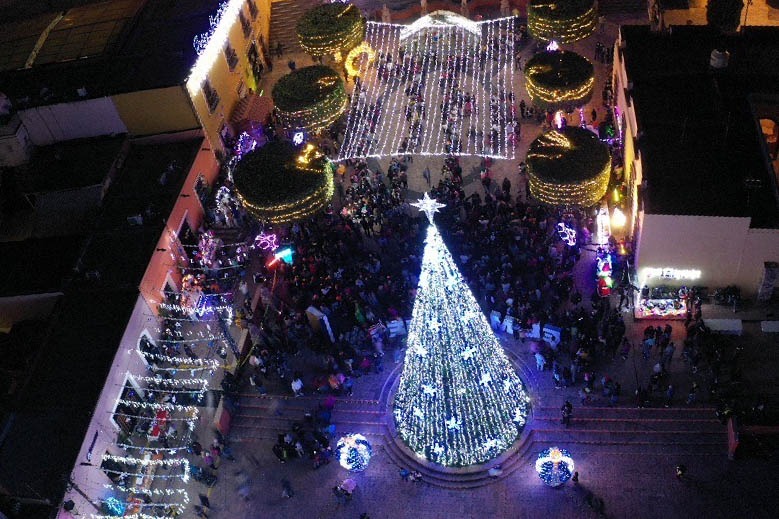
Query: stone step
{"x":703,"y":414}
{"x":306,"y":401}
{"x":622,"y":425}
{"x":456,"y":479}
{"x":597,"y":441}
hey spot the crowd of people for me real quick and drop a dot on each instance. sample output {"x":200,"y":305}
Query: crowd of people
{"x":467,"y":80}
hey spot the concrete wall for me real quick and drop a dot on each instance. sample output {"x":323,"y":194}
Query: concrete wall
{"x":724,"y":249}
{"x":631,"y":156}
{"x":160,"y":110}
{"x":227,"y":83}
{"x":15,"y":145}
{"x":65,"y":121}
{"x":163,"y":264}
{"x":89,"y":478}
{"x":143,"y":321}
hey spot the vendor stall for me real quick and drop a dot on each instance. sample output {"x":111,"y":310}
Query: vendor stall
{"x":663,"y":294}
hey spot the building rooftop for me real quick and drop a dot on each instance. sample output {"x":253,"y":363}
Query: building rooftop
{"x":69,"y":164}
{"x":37,"y":266}
{"x":91,"y":318}
{"x":102,"y":48}
{"x":699,"y":139}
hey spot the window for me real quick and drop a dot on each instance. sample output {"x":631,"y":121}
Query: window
{"x":252,"y":9}
{"x":212,"y":98}
{"x":245,"y":24}
{"x":230,"y":56}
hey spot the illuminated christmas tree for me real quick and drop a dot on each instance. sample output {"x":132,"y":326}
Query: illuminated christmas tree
{"x":459,"y":401}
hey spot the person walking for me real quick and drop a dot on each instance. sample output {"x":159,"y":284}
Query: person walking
{"x":692,"y":396}
{"x":566,"y":410}
{"x":286,"y":489}
{"x":669,"y":395}
{"x":540,"y":361}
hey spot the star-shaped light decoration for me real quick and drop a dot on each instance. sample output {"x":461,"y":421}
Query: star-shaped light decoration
{"x":471,"y":315}
{"x":489,"y":444}
{"x":507,"y":385}
{"x":437,"y":449}
{"x":453,"y":424}
{"x":467,"y":354}
{"x":418,"y":413}
{"x":485,"y":379}
{"x":428,"y":389}
{"x":519,"y":416}
{"x":435,"y":325}
{"x":420,"y":350}
{"x":428,"y":206}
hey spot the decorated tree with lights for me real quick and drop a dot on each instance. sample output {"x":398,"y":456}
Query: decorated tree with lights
{"x":459,"y":401}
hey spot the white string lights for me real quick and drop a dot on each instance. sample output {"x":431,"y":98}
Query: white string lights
{"x":459,"y":401}
{"x":485,"y":75}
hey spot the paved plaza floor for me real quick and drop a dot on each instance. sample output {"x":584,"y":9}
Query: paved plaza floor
{"x":624,"y":456}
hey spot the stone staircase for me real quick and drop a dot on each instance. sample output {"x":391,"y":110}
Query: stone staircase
{"x":631,"y":431}
{"x":622,"y":431}
{"x":284,"y":16}
{"x":261,"y":418}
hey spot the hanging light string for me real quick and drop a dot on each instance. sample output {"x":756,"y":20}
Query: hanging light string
{"x":160,"y":406}
{"x":439,"y":91}
{"x":431,"y":59}
{"x":164,"y":463}
{"x":176,"y":382}
{"x":146,"y":417}
{"x":199,"y":363}
{"x":396,"y":114}
{"x":152,"y":491}
{"x":144,"y":448}
{"x":466,"y":67}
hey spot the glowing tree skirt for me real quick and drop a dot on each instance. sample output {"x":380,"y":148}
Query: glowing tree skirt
{"x":377,"y":123}
{"x":459,"y":401}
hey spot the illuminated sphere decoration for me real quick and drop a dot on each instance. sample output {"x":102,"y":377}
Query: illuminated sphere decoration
{"x":310,"y":98}
{"x":565,"y":21}
{"x":569,"y":166}
{"x":331,"y":28}
{"x":554,"y":466}
{"x":353,"y":452}
{"x":559,"y":79}
{"x":281,"y":183}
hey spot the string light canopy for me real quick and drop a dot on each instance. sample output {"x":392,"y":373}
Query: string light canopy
{"x":280,"y":183}
{"x":568,"y":166}
{"x":459,"y":401}
{"x":330,"y":29}
{"x":443,"y":87}
{"x":565,"y":21}
{"x":558,"y":79}
{"x":310,"y":98}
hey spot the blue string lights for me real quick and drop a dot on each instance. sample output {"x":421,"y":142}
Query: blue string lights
{"x":554,"y":466}
{"x":354,"y":452}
